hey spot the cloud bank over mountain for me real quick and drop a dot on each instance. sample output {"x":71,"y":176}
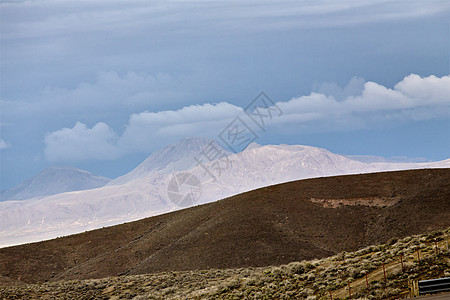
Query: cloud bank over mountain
{"x":414,"y":98}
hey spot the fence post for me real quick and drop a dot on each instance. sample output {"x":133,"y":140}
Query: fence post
{"x":384,"y":271}
{"x":349,"y":290}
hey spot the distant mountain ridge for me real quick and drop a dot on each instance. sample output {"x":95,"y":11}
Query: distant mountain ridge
{"x":54,"y":180}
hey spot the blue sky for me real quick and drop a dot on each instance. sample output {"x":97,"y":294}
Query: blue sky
{"x":101,"y":84}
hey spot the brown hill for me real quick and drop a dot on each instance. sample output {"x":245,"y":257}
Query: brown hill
{"x":299,"y":220}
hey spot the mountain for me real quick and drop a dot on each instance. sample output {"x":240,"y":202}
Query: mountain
{"x":54,"y":180}
{"x":153,"y":193}
{"x":176,"y":157}
{"x":273,"y":225}
{"x":273,"y":164}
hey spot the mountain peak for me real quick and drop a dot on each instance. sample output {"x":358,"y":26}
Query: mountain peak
{"x":252,"y":145}
{"x":187,"y":144}
{"x":180,"y":156}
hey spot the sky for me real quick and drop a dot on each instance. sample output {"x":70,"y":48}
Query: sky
{"x":100,"y":85}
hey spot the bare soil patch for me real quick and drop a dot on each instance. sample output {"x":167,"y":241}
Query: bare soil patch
{"x":365,"y":201}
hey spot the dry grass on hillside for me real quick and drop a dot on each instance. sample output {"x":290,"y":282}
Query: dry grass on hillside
{"x":305,"y":280}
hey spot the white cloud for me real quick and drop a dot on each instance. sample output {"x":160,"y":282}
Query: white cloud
{"x":81,"y":143}
{"x":414,"y":98}
{"x":430,"y":90}
{"x":4,"y":144}
{"x":144,"y":129}
{"x":143,"y":132}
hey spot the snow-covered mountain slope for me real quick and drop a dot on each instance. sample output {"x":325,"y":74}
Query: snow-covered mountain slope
{"x":73,"y":212}
{"x":268,"y":165}
{"x":155,"y":193}
{"x":54,"y":180}
{"x":176,"y":157}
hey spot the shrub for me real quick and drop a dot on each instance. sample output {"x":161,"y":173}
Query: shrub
{"x":296,"y":268}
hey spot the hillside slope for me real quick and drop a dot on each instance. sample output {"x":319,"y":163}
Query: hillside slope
{"x":279,"y":224}
{"x":308,"y":279}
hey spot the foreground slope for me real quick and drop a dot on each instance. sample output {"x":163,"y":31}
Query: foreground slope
{"x":274,"y":225}
{"x":313,"y":279}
